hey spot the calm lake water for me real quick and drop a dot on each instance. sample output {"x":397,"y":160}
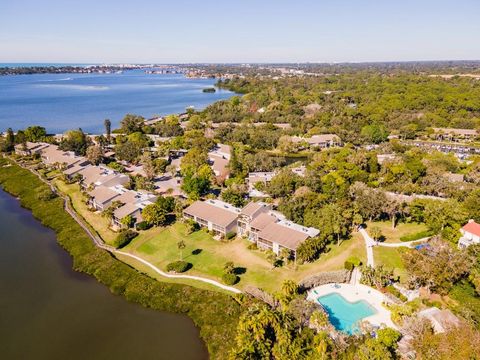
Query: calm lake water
{"x":61,"y":102}
{"x":48,"y":311}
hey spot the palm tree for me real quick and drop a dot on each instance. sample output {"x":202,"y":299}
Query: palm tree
{"x":108,"y":128}
{"x":181,"y":245}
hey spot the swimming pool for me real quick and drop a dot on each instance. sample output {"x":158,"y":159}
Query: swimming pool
{"x":343,"y":314}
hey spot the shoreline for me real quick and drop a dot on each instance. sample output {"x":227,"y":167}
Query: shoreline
{"x":217,"y":327}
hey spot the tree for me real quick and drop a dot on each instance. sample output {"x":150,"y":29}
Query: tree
{"x":235,"y":195}
{"x":389,"y":337}
{"x":193,"y":160}
{"x":94,"y":154}
{"x":319,"y":321}
{"x":108,"y":129}
{"x":271,"y":258}
{"x":148,"y":166}
{"x":154,"y":215}
{"x":181,"y":245}
{"x":438,"y":267}
{"x":378,"y":277}
{"x":10,"y":140}
{"x":35,"y":133}
{"x":127,"y":221}
{"x":197,"y":183}
{"x":375,"y":133}
{"x":229,"y":267}
{"x":376,"y":233}
{"x":310,"y":249}
{"x":442,"y":216}
{"x":393,"y":208}
{"x":76,"y":141}
{"x":285,"y":254}
{"x":289,"y":291}
{"x":283,"y":183}
{"x":373,"y":349}
{"x":131,"y":124}
{"x":472,"y":205}
{"x":128,"y":151}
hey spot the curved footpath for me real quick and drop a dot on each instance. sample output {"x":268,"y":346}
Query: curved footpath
{"x":370,"y":243}
{"x":99,"y":242}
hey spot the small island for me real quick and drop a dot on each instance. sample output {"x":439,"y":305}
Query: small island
{"x":209,"y":90}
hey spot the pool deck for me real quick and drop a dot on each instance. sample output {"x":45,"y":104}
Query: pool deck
{"x":354,"y":293}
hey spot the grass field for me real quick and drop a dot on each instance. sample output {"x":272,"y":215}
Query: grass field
{"x":208,"y":256}
{"x":402,"y":229}
{"x":390,"y":257}
{"x":99,"y":223}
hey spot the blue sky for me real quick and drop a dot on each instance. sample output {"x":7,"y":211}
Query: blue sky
{"x":238,"y":31}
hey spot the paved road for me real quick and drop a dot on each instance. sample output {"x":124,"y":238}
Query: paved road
{"x":99,"y":243}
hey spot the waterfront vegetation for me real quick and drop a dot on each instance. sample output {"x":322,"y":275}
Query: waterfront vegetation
{"x":214,"y":313}
{"x":341,"y":188}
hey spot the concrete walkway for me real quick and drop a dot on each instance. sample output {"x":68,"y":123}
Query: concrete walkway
{"x":403,"y":244}
{"x":369,"y":244}
{"x":99,"y":242}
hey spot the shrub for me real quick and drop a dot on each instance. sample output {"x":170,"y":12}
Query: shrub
{"x":124,"y":238}
{"x":46,"y":194}
{"x":178,"y":266}
{"x":192,"y":226}
{"x":143,"y":225}
{"x":417,"y":236}
{"x":355,"y":260}
{"x":392,"y":290}
{"x":252,"y":246}
{"x":230,"y":279}
{"x":352,"y":262}
{"x":230,"y":235}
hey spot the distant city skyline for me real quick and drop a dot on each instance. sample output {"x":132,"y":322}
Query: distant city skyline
{"x":209,"y":31}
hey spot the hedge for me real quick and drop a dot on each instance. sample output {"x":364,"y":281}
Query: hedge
{"x":215,"y":313}
{"x":327,"y":277}
{"x":417,"y":236}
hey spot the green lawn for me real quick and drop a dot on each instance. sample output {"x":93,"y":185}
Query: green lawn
{"x":99,"y":223}
{"x":390,"y":257}
{"x":402,"y":229}
{"x":208,"y":256}
{"x":159,"y":246}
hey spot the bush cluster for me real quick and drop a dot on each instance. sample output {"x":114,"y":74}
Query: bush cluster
{"x":124,"y":238}
{"x":178,"y":266}
{"x":143,"y":225}
{"x":230,"y":235}
{"x":230,"y":279}
{"x":352,"y":262}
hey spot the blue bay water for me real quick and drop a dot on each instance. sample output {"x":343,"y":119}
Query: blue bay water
{"x":61,"y":102}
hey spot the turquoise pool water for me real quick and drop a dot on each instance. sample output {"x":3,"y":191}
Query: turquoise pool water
{"x":343,"y":314}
